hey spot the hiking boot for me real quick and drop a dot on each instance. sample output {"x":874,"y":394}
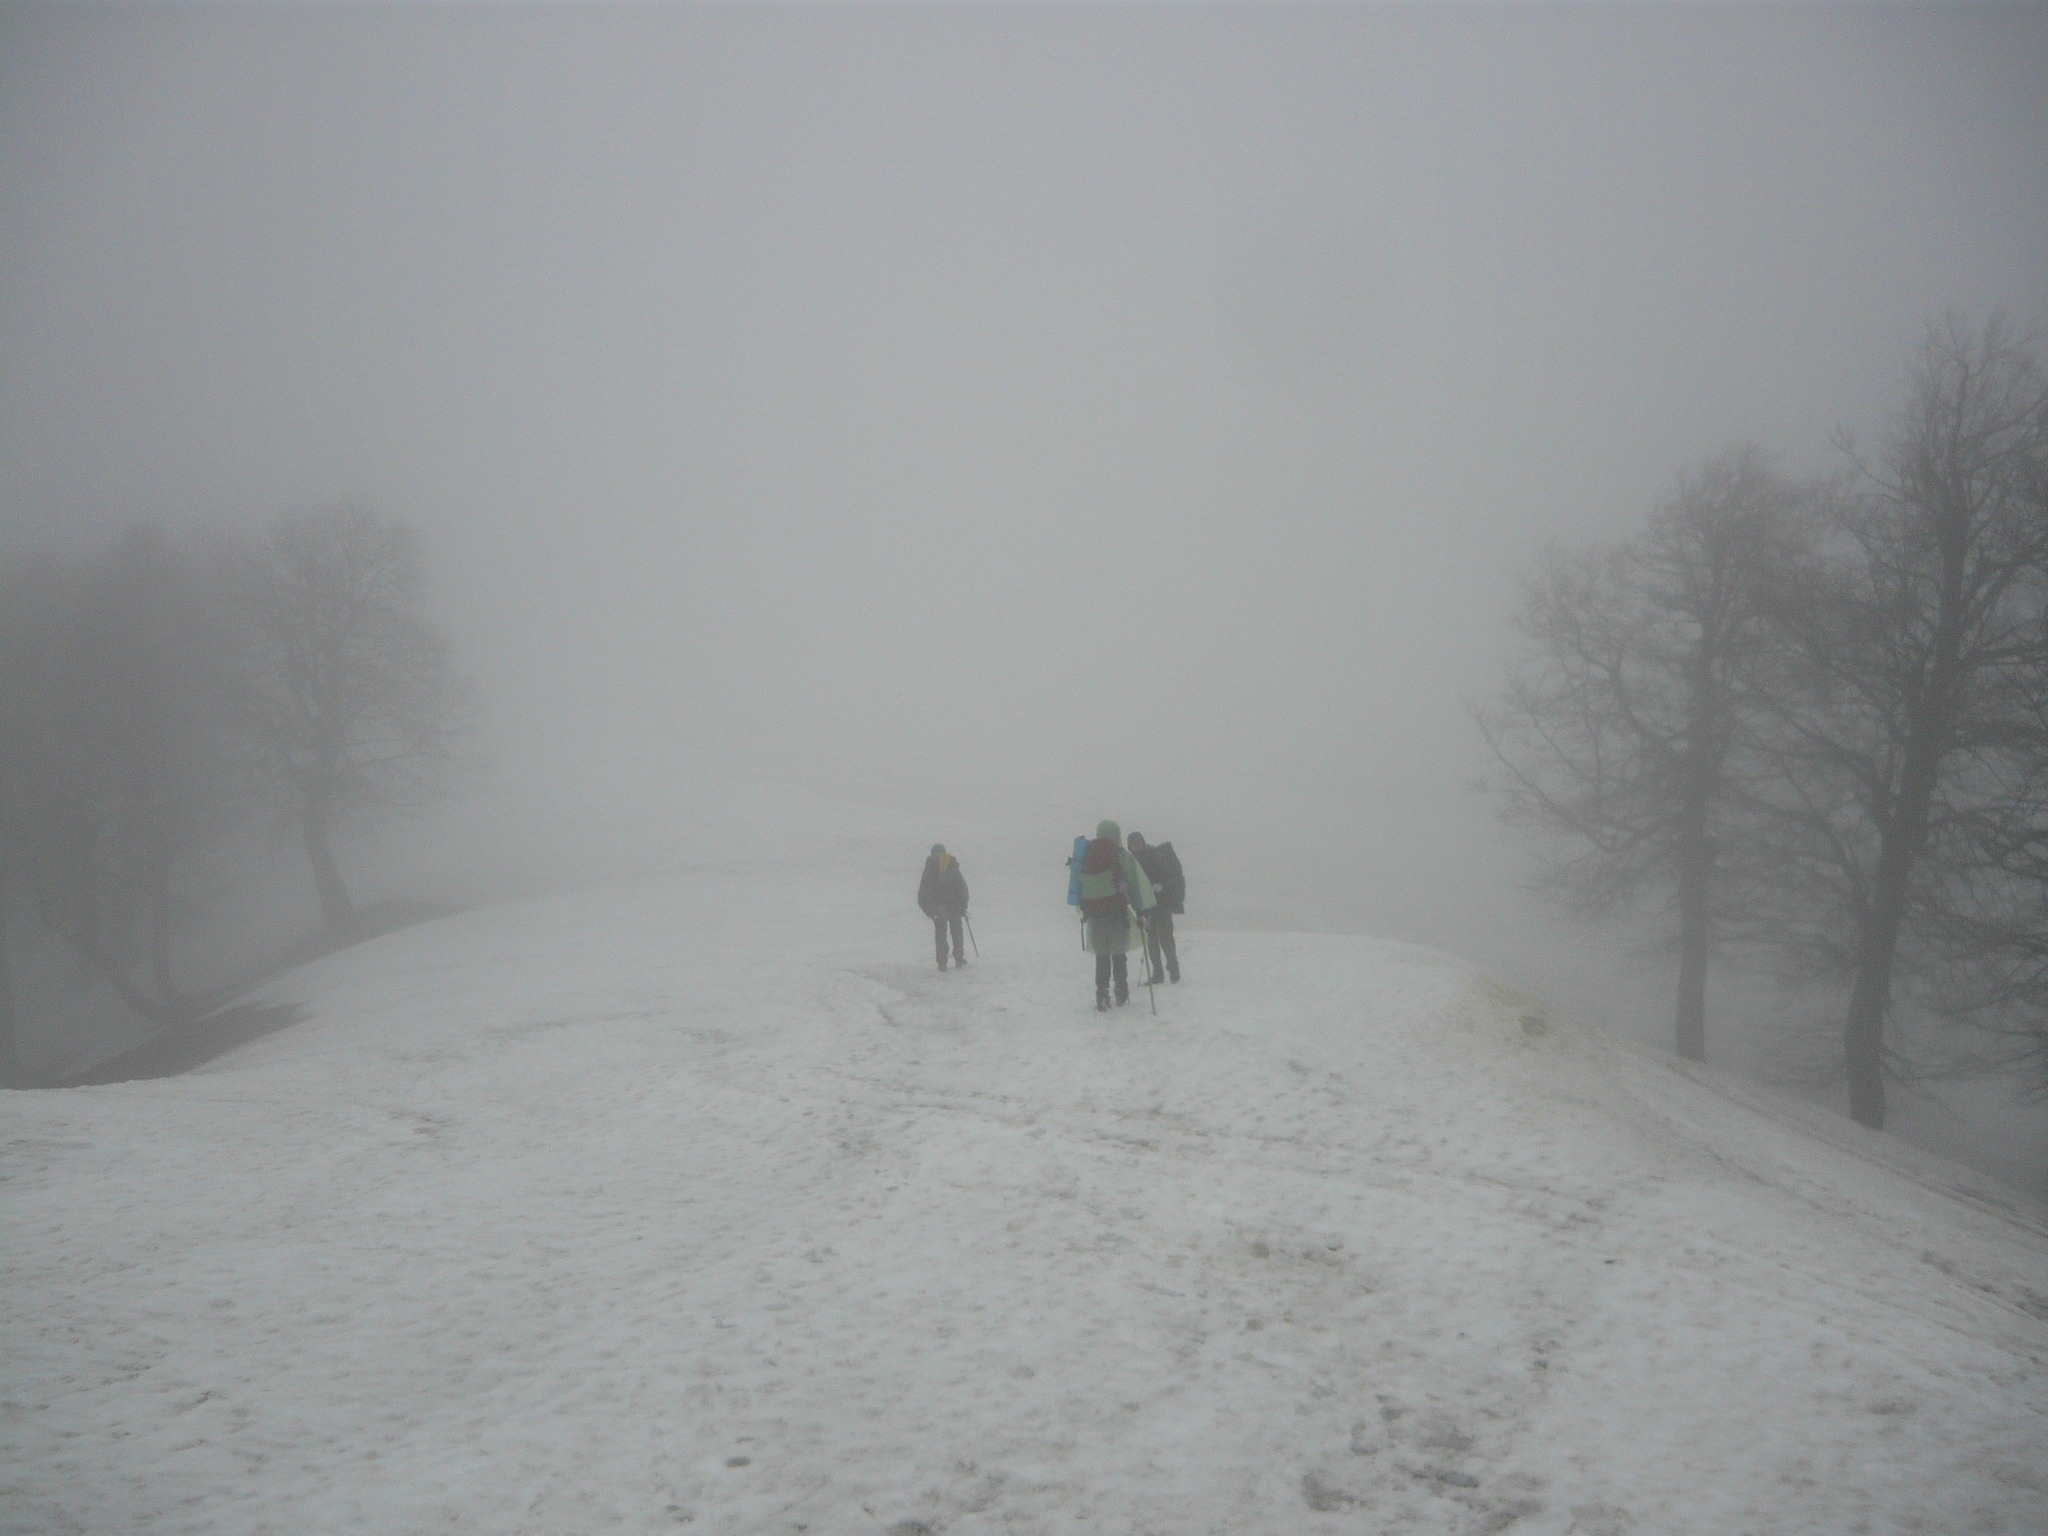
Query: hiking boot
{"x":1155,"y":978}
{"x":1174,"y":974}
{"x":960,"y":960}
{"x":1123,"y":995}
{"x":1102,"y":1001}
{"x":942,"y":965}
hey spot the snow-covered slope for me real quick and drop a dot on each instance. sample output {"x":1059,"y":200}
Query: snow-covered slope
{"x":707,"y":1204}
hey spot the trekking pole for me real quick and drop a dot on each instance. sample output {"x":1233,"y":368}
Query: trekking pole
{"x":970,"y":934}
{"x":1151,"y":991}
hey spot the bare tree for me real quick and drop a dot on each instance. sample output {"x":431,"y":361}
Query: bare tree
{"x":112,"y":761}
{"x":1618,"y":725}
{"x":1903,"y":693}
{"x":344,"y":686}
{"x":1993,"y":938}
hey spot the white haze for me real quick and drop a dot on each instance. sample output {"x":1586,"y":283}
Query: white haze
{"x":1056,"y":412}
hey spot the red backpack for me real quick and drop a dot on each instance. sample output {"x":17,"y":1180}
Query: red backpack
{"x":1103,"y":892}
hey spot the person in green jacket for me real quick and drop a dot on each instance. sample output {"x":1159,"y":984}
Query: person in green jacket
{"x":1115,"y":896}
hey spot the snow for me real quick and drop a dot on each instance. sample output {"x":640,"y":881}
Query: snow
{"x":704,"y":1202}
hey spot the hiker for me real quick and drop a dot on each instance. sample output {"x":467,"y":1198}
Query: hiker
{"x":1162,"y":867}
{"x":942,"y":897}
{"x":1115,"y":895}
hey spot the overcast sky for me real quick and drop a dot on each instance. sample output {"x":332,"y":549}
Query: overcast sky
{"x":1135,"y":410}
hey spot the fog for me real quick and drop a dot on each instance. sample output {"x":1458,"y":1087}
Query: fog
{"x":1056,"y":412}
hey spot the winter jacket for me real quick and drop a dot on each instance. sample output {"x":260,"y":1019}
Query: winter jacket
{"x":1162,"y":864}
{"x":943,"y":889}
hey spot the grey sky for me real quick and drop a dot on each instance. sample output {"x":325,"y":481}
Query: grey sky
{"x":1130,"y":410}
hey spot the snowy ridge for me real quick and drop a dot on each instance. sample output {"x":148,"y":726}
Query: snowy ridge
{"x":705,"y":1203}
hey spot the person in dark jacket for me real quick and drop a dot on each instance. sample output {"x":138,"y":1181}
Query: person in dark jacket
{"x":942,"y":897}
{"x":1162,"y":867}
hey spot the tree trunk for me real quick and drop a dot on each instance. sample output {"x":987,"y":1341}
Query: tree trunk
{"x":1877,"y":945}
{"x":336,"y":911}
{"x":1695,"y":938}
{"x":1884,"y":919}
{"x":1863,"y":1031}
{"x":1699,"y":785}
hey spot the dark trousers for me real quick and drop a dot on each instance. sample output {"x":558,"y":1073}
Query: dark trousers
{"x":1158,"y":940}
{"x":1113,"y":965}
{"x":941,"y":921}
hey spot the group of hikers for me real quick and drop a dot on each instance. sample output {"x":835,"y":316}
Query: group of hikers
{"x":1128,"y":894}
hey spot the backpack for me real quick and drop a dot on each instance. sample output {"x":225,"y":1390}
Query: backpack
{"x":1175,"y":885}
{"x":1103,"y":891}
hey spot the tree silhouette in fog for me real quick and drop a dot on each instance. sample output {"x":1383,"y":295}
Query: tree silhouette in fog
{"x":115,"y":754}
{"x":1620,"y":723}
{"x":1817,"y":718}
{"x":343,"y":686}
{"x":1908,"y":735}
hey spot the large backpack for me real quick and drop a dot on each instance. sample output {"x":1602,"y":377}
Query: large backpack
{"x":1074,"y":871}
{"x":1103,"y":891}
